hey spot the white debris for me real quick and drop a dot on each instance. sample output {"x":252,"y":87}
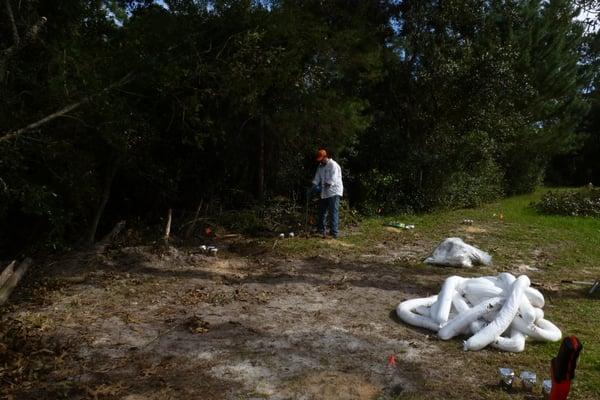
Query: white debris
{"x":499,"y":311}
{"x":454,"y":252}
{"x":211,"y":250}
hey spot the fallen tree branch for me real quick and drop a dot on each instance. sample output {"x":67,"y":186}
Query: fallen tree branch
{"x":13,"y":280}
{"x":160,"y":335}
{"x":8,"y":271}
{"x":62,"y":111}
{"x":101,"y":246}
{"x":44,"y":120}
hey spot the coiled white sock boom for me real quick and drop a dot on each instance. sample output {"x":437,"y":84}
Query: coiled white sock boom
{"x":499,"y":311}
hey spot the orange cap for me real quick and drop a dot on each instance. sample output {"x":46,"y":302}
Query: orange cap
{"x":321,"y":154}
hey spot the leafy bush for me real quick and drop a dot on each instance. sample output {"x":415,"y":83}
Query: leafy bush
{"x":467,"y":186}
{"x":462,"y":184}
{"x":376,"y":192}
{"x":582,"y":202}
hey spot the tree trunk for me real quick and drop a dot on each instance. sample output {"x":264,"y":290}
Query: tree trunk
{"x":18,"y":41}
{"x":110,"y":175}
{"x":11,"y":18}
{"x":261,"y":160}
{"x":168,"y":228}
{"x":190,"y":231}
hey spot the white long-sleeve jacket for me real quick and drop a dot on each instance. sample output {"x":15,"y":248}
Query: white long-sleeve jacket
{"x":329,"y":177}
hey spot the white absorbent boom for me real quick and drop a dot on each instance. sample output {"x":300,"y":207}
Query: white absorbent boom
{"x":498,"y":311}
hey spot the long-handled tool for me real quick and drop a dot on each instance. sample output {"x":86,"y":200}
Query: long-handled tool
{"x":308,"y":195}
{"x":594,"y":285}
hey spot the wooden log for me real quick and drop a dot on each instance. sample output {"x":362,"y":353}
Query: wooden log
{"x":13,"y":280}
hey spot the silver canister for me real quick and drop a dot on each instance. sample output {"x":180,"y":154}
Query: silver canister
{"x":546,"y":388}
{"x":507,"y":377}
{"x":528,"y":380}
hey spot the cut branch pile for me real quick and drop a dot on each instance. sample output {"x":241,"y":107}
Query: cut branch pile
{"x":10,"y":277}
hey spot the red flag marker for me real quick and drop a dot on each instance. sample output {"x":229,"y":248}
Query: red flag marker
{"x":392,"y":360}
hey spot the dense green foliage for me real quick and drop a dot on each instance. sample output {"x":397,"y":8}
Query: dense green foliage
{"x":581,"y":202}
{"x":581,"y":165}
{"x":425,"y":104}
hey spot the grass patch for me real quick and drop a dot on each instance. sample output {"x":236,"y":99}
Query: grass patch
{"x":510,"y":229}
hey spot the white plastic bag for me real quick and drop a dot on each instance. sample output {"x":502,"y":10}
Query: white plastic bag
{"x":454,"y":252}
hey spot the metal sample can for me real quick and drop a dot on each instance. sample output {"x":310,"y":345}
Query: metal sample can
{"x":546,"y":388}
{"x":528,"y":380}
{"x":507,"y":377}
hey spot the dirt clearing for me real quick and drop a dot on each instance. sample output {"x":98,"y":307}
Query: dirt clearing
{"x":181,"y":325}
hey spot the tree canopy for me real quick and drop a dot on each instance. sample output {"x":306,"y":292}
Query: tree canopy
{"x":115,"y":108}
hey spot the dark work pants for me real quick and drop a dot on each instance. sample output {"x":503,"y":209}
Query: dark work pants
{"x":329,"y":207}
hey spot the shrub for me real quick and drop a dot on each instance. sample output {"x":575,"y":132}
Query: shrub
{"x":581,"y":202}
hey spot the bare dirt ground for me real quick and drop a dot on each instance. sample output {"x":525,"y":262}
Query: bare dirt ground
{"x":136,"y":324}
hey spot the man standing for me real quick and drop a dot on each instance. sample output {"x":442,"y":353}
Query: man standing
{"x":329,"y":179}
